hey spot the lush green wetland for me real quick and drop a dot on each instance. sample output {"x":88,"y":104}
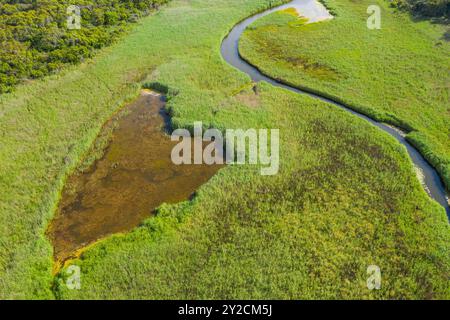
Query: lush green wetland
{"x":398,"y":74}
{"x":346,"y":196}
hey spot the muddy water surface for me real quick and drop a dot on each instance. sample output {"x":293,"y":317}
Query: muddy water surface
{"x":123,"y":188}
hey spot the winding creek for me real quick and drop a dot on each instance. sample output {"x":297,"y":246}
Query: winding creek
{"x":315,"y":11}
{"x":135,"y":174}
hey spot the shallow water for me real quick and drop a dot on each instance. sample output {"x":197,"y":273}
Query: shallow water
{"x":120,"y":190}
{"x":313,"y":10}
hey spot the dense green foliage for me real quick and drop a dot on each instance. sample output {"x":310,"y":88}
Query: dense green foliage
{"x":35,"y":40}
{"x":346,"y":196}
{"x":425,"y":8}
{"x":398,"y":74}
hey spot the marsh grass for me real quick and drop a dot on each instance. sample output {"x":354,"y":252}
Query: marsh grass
{"x":346,"y":196}
{"x":398,"y":74}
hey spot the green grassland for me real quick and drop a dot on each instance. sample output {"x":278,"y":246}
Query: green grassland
{"x":399,"y":74}
{"x":346,"y":197}
{"x":309,"y":232}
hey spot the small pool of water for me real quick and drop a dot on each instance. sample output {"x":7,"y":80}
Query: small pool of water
{"x":311,"y":9}
{"x":123,"y":188}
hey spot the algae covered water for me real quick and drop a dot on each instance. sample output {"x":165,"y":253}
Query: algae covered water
{"x":120,"y":190}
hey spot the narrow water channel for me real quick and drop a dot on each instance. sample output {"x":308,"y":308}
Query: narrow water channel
{"x":134,"y":176}
{"x":315,"y":11}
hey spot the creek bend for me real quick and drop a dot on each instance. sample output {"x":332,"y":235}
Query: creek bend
{"x":136,"y":174}
{"x":314,"y":12}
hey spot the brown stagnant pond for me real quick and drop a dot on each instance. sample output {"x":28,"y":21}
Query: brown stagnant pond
{"x":120,"y":190}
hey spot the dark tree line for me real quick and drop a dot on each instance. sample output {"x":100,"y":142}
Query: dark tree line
{"x":425,"y":8}
{"x":35,"y":40}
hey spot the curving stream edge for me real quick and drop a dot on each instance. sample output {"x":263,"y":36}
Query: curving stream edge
{"x":230,"y":53}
